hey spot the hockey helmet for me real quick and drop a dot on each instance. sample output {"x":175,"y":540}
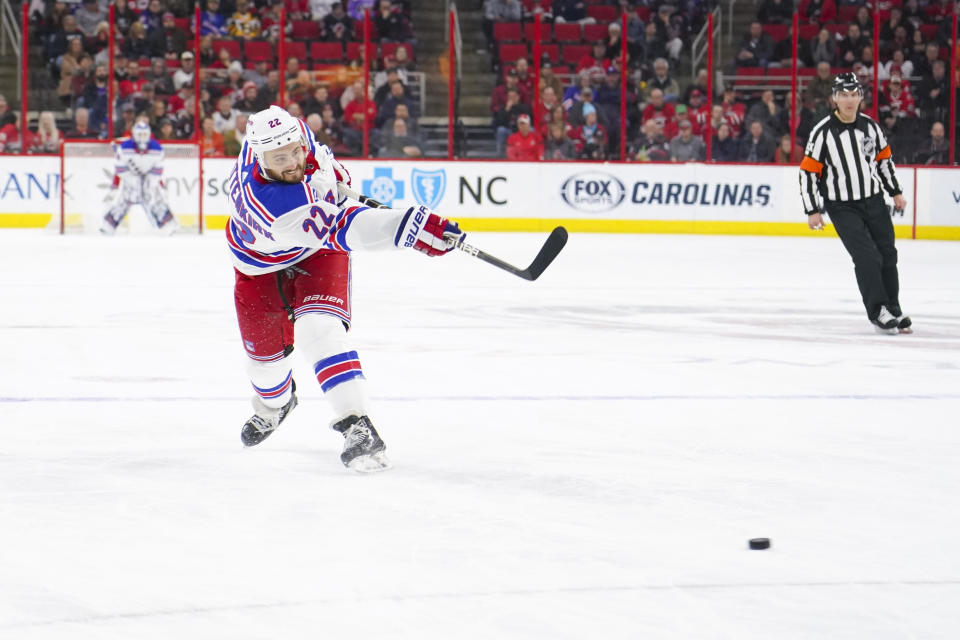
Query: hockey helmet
{"x":141,"y":134}
{"x":271,"y":129}
{"x":847,"y":81}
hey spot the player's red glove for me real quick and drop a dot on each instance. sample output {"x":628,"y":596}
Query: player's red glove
{"x":427,"y":232}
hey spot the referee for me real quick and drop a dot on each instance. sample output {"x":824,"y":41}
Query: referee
{"x":847,"y":162}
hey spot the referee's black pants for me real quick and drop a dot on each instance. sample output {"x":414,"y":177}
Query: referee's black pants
{"x":866,"y":230}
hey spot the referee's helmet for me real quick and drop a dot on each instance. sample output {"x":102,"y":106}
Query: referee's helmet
{"x":847,"y":82}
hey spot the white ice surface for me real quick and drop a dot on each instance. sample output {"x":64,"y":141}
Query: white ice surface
{"x":580,"y":457}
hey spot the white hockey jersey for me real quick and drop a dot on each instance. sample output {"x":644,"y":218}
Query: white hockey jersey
{"x":274,"y":225}
{"x":130,"y":160}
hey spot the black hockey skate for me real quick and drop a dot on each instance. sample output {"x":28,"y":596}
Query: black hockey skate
{"x":265,"y":420}
{"x":904,"y":323}
{"x":363,"y":450}
{"x":885,"y":322}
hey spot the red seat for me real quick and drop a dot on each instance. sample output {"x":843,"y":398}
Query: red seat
{"x":507,"y":32}
{"x":326,"y":51}
{"x":847,"y":13}
{"x":929,"y":31}
{"x":837,"y":29}
{"x":808,"y":31}
{"x":529,"y":32}
{"x":549,"y":51}
{"x":838,"y":70}
{"x":389,"y":48}
{"x":602,"y":13}
{"x":751,"y":71}
{"x":296,"y":49}
{"x":644,"y":14}
{"x":355,"y":50}
{"x":777,"y":31}
{"x":568,"y":32}
{"x":230,"y":45}
{"x":256,"y":50}
{"x":509,"y":53}
{"x":560,"y":69}
{"x":306,"y":29}
{"x":573,"y":52}
{"x":186,"y":24}
{"x":780,"y":77}
{"x":806,"y":72}
{"x":594,"y":32}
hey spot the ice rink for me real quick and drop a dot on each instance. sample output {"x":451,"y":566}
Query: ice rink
{"x":580,"y":457}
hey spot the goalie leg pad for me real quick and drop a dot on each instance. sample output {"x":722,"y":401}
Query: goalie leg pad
{"x":114,"y":216}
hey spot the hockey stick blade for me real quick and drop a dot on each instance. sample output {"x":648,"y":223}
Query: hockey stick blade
{"x":548,"y":252}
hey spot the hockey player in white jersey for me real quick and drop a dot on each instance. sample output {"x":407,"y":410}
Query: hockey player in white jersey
{"x":290,"y":235}
{"x":138,"y":179}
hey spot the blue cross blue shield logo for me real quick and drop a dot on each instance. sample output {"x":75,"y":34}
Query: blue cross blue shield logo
{"x":383,"y":188}
{"x":428,"y":186}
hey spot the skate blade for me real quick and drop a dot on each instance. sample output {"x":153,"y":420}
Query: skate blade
{"x":372,"y":463}
{"x":889,"y":332}
{"x":906,"y":330}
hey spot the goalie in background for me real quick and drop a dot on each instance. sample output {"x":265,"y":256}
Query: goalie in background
{"x":138,"y":179}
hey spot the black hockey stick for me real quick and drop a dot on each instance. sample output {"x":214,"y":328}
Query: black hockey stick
{"x":548,"y":252}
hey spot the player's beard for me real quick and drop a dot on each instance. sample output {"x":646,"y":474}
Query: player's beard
{"x":291,"y":176}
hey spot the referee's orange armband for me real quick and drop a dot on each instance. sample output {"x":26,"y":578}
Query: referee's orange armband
{"x":884,"y":153}
{"x":811,"y":165}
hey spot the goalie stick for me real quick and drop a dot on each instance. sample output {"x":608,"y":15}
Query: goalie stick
{"x":548,"y":252}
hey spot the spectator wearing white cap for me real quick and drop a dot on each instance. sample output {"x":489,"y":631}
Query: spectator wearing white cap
{"x":186,"y":71}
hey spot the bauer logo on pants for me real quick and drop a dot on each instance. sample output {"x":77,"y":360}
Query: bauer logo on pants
{"x":428,"y":186}
{"x":593,"y":191}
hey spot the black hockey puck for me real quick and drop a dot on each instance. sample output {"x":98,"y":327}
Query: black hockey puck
{"x":759,"y":543}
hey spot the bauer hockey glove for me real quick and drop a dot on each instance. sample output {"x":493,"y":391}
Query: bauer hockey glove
{"x":427,"y":232}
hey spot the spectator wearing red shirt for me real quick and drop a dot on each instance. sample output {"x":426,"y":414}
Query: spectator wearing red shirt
{"x":132,"y":82}
{"x":698,"y":111}
{"x":525,"y":144}
{"x":733,"y":112}
{"x":597,"y":58}
{"x":524,"y":77}
{"x":662,"y":111}
{"x":10,"y":141}
{"x":358,"y":114}
{"x":896,"y":103}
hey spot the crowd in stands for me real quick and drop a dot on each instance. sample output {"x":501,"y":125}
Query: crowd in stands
{"x":573,"y":113}
{"x":749,"y":116}
{"x":156,"y":76}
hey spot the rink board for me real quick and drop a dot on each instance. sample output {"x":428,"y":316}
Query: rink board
{"x":516,"y":196}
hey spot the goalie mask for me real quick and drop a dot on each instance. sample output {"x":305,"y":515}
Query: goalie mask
{"x":272,"y":129}
{"x":141,"y":135}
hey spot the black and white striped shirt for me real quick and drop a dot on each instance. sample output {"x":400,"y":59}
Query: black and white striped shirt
{"x":846,"y":162}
